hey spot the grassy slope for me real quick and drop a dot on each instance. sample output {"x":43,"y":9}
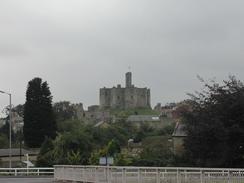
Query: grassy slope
{"x":139,"y":111}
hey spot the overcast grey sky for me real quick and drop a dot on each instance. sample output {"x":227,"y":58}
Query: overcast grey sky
{"x":79,"y":46}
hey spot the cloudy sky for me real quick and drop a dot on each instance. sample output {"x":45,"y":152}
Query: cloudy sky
{"x":79,"y":46}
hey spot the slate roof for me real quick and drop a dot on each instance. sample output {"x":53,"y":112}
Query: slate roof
{"x":143,"y":118}
{"x":16,"y":152}
{"x":179,"y":130}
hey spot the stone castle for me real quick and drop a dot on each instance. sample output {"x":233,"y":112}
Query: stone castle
{"x":125,"y":98}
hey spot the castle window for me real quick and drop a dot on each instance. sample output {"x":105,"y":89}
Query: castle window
{"x":131,"y":97}
{"x":118,"y":97}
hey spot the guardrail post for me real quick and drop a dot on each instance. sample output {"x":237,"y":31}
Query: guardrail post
{"x":228,"y":176}
{"x":201,"y":175}
{"x":185,"y":172}
{"x":82,"y":174}
{"x":157,"y":176}
{"x":165,"y":171}
{"x":96,"y":176}
{"x":86,"y":174}
{"x":139,"y":176}
{"x":178,"y":176}
{"x":15,"y":172}
{"x":123,"y":176}
{"x":109,"y":174}
{"x":239,"y":176}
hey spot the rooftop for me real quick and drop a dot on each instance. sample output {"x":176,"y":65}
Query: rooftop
{"x":16,"y":152}
{"x":142,"y":118}
{"x":179,"y":130}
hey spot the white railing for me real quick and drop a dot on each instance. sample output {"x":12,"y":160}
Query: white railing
{"x":103,"y":174}
{"x":26,"y":171}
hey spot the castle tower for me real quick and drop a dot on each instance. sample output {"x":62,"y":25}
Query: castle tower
{"x":128,"y":80}
{"x":126,"y":97}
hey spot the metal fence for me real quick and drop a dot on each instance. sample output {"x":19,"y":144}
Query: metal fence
{"x":103,"y":174}
{"x":26,"y":171}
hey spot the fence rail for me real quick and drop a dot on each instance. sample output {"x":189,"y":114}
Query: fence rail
{"x":103,"y":174}
{"x":26,"y":171}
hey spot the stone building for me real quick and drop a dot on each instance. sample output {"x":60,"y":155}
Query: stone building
{"x":125,"y":98}
{"x":17,"y":122}
{"x":18,"y":157}
{"x":65,"y":110}
{"x":94,"y":114}
{"x":152,"y":121}
{"x":178,"y":136}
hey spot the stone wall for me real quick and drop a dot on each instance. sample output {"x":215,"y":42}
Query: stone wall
{"x":124,"y":98}
{"x":105,"y":97}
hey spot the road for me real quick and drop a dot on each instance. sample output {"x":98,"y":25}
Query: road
{"x":26,"y":180}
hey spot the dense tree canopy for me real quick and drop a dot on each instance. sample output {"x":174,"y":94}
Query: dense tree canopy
{"x":215,"y":126}
{"x":80,"y":142}
{"x":39,"y":121}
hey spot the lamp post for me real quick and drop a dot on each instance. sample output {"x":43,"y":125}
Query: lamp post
{"x":10,"y":127}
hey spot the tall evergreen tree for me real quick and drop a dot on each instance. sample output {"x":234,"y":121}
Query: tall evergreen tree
{"x":39,"y":121}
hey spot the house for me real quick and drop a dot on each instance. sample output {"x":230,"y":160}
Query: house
{"x":178,"y":136}
{"x":17,"y":122}
{"x":150,"y":120}
{"x":17,"y":158}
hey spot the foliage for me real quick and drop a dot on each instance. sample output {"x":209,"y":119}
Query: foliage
{"x":102,"y":136}
{"x":66,"y":148}
{"x":79,"y":143}
{"x":167,"y":130}
{"x":113,"y":148}
{"x":215,"y":125}
{"x":156,"y":152}
{"x":94,"y":158}
{"x":3,"y":141}
{"x":39,"y":121}
{"x":45,"y":157}
{"x":123,"y":160}
{"x":69,"y":125}
{"x":19,"y":109}
{"x":4,"y":131}
{"x":74,"y":158}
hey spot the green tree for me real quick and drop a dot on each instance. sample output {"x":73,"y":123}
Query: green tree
{"x":113,"y":148}
{"x":3,"y":141}
{"x":67,"y":148}
{"x":215,"y":125}
{"x":4,"y":130}
{"x":45,"y":157}
{"x":156,"y":152}
{"x":39,"y":121}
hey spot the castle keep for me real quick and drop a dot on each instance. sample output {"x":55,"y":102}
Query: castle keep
{"x":125,"y":98}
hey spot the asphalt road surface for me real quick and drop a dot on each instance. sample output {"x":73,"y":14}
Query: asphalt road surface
{"x":26,"y":180}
